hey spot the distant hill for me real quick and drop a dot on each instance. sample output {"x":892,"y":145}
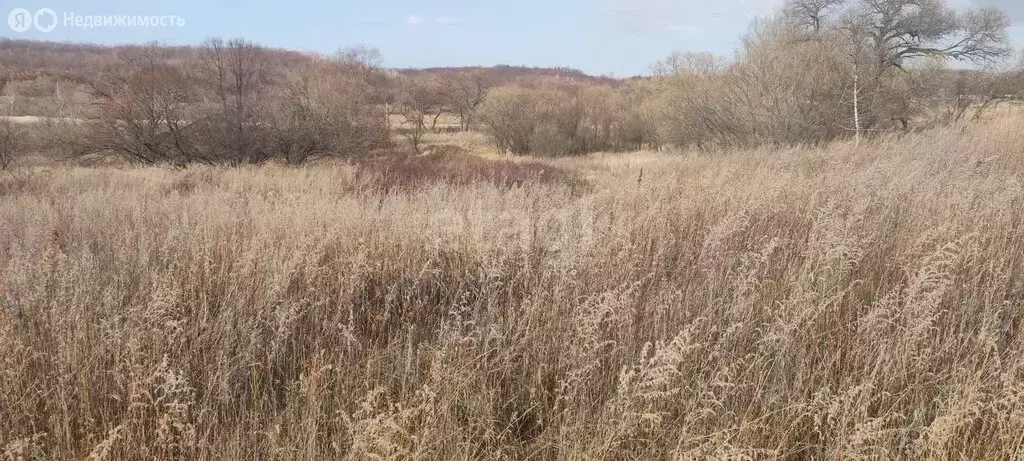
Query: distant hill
{"x":503,"y":74}
{"x":40,"y":78}
{"x":29,"y":59}
{"x":20,"y":59}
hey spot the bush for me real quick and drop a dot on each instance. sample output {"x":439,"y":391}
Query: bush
{"x":783,"y":92}
{"x":326,"y":115}
{"x":563,"y":121}
{"x":225,"y":108}
{"x":509,"y":116}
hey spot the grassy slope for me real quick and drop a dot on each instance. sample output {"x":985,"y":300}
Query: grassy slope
{"x":806,"y":303}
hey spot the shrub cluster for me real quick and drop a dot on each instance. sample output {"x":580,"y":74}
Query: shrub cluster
{"x":816,"y":72}
{"x":228,"y":105}
{"x":558,"y":121}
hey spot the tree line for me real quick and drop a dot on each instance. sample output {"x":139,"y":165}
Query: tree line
{"x":816,"y":71}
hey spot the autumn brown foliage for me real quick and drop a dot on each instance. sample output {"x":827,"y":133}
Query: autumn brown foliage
{"x":410,"y":173}
{"x":814,"y":303}
{"x":230,"y":104}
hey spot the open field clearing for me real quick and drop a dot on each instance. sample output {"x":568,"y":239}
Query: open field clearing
{"x":833,"y":303}
{"x":799,"y":236}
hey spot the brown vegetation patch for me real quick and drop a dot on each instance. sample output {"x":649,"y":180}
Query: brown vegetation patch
{"x":408,"y":173}
{"x":801,"y":304}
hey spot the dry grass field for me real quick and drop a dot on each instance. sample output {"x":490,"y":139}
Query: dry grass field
{"x":832,"y":303}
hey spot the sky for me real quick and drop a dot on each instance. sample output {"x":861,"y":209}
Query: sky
{"x":601,"y":37}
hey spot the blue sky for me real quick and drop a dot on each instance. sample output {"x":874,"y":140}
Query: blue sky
{"x":619,"y":37}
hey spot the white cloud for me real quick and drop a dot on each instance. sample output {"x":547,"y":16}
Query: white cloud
{"x":414,"y":21}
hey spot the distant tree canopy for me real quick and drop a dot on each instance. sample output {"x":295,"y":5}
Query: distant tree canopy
{"x":886,"y":34}
{"x":817,"y":71}
{"x":827,"y":69}
{"x":230,"y":104}
{"x":688,"y":63}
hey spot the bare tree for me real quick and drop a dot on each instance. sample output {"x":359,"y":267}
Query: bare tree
{"x":562,"y":121}
{"x":466,"y":92}
{"x":8,"y":138}
{"x":422,"y":98}
{"x":362,"y":57}
{"x":227,"y":106}
{"x":639,"y":120}
{"x":1012,"y":85}
{"x":881,"y":38}
{"x":142,"y":111}
{"x":238,"y":75}
{"x":368,"y":62}
{"x":509,"y":117}
{"x":893,"y":32}
{"x":325,"y":110}
{"x":811,"y":13}
{"x":688,"y":63}
{"x":9,"y":145}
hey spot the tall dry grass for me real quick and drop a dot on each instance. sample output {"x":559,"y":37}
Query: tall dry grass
{"x":804,"y":304}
